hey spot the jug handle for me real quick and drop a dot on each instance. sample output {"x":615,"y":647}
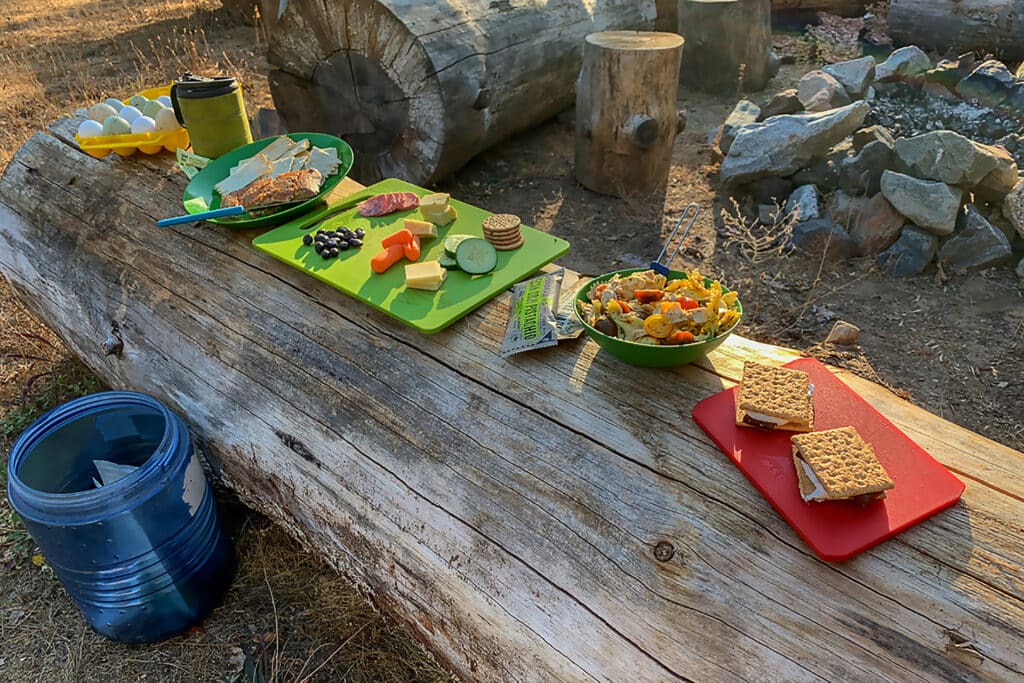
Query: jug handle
{"x":175,"y":105}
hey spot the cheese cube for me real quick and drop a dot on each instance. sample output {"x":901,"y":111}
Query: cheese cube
{"x":427,"y":275}
{"x":436,"y":209}
{"x":422,"y":229}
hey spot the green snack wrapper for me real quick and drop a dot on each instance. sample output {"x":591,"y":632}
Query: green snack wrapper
{"x":532,"y":320}
{"x":189,"y":162}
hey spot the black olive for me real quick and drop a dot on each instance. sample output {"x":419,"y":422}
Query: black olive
{"x":343,"y":245}
{"x":307,"y":240}
{"x":606,"y":326}
{"x":360,"y":233}
{"x":320,"y":232}
{"x":334,"y":252}
{"x":332,"y":242}
{"x":346,"y":232}
{"x":356,"y":242}
{"x":319,"y":247}
{"x":326,"y":253}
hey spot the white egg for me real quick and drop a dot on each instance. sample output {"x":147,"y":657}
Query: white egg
{"x":166,"y":121}
{"x":115,"y":103}
{"x":165,"y":100}
{"x":100,"y":112}
{"x":143,"y":124}
{"x":129,"y":113}
{"x":152,"y":108}
{"x":115,"y":125}
{"x":90,"y":129}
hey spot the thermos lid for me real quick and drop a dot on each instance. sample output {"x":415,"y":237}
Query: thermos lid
{"x":192,"y":87}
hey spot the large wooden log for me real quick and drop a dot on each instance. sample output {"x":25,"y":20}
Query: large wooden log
{"x":728,"y":43}
{"x":988,"y":26}
{"x":547,"y":518}
{"x":420,"y":88}
{"x":784,"y":11}
{"x":626,"y":114}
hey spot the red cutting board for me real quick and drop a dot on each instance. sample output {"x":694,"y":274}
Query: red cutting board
{"x":835,"y":530}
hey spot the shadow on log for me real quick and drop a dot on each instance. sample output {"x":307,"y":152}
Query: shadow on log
{"x":988,"y":26}
{"x":419,"y":89}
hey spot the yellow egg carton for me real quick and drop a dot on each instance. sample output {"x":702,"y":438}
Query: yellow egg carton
{"x":126,"y":145}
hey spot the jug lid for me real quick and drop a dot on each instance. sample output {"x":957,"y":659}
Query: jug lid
{"x":192,"y":86}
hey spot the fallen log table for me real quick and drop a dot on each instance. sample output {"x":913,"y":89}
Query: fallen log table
{"x":557,"y":516}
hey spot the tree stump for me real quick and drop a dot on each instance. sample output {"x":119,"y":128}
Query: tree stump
{"x":727,"y":45}
{"x":419,"y":89}
{"x":987,"y":26}
{"x":626,"y":115}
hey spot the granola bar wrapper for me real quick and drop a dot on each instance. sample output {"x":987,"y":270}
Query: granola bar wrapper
{"x":532,"y":320}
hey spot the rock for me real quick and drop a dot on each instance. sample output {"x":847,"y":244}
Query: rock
{"x":877,"y":226}
{"x":774,"y":63}
{"x":785,"y":102}
{"x":845,"y":209}
{"x":946,"y":73}
{"x":978,"y":244}
{"x":865,"y":136}
{"x":946,"y":156}
{"x":843,"y":334}
{"x":818,"y":91}
{"x":1003,"y":178}
{"x":770,"y":190}
{"x":967,"y":63}
{"x":782,"y":145}
{"x":822,"y":236}
{"x":1014,"y":103}
{"x":744,"y":114}
{"x":804,"y":204}
{"x":767,"y":214}
{"x":1013,"y":207}
{"x":910,"y":254}
{"x":904,"y":62}
{"x":988,"y":85}
{"x":997,"y":218}
{"x":1020,"y":270}
{"x":855,"y":75}
{"x":939,"y":91}
{"x":929,"y":204}
{"x":822,"y":173}
{"x":862,"y":174}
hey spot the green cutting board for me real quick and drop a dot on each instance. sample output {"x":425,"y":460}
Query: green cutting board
{"x":428,"y":312}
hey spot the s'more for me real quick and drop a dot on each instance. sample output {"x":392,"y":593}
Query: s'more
{"x":838,"y":464}
{"x":772,"y":398}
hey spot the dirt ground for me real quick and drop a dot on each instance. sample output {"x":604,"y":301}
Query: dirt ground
{"x":953,"y":346}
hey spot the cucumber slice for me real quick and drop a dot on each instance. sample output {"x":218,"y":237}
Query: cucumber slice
{"x":448,"y":262}
{"x":476,"y":256}
{"x":452,"y":242}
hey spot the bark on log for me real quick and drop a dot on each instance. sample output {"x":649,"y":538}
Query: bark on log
{"x":420,"y":88}
{"x":626,"y":114}
{"x":533,"y":520}
{"x":727,"y":45}
{"x":988,"y":26}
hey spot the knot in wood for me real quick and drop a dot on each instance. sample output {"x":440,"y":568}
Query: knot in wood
{"x":664,"y":551}
{"x":112,"y":346}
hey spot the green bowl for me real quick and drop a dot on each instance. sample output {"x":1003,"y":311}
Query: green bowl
{"x":200,"y":195}
{"x":645,"y":355}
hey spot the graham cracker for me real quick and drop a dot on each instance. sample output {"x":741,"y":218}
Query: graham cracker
{"x":843,"y":462}
{"x":779,"y":392}
{"x":806,"y":485}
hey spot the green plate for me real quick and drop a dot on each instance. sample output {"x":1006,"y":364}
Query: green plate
{"x":645,"y":355}
{"x":428,"y":312}
{"x":200,"y":195}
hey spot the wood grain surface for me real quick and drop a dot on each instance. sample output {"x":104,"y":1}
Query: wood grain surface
{"x":554,"y":516}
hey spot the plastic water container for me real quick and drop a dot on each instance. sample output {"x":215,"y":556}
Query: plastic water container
{"x":143,"y":557}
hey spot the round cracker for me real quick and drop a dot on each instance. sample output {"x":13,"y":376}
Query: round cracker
{"x":510,"y":237}
{"x":509,"y":247}
{"x":501,"y":222}
{"x":505,"y":240}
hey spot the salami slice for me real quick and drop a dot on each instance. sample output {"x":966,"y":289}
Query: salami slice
{"x":383,"y":204}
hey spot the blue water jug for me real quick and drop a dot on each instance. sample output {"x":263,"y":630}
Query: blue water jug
{"x":143,"y":556}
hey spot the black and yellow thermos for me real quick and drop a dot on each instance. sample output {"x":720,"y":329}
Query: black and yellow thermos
{"x":213,"y":112}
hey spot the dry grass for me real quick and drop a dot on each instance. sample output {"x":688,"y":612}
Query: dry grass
{"x":288,"y":616}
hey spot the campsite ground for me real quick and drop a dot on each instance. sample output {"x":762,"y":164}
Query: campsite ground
{"x":954,"y":346}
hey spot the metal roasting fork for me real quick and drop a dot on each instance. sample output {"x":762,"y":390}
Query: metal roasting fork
{"x":691,"y":210}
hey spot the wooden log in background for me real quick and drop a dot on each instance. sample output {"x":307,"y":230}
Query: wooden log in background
{"x":626,"y":113}
{"x":783,"y":11}
{"x":988,"y":26}
{"x":727,"y":45}
{"x":508,"y":510}
{"x":420,"y":88}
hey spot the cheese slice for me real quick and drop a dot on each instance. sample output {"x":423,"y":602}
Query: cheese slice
{"x":248,"y":173}
{"x":421,"y":228}
{"x":278,"y":148}
{"x":436,"y":209}
{"x":427,"y":275}
{"x":441,"y":218}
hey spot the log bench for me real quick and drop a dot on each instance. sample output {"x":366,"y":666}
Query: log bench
{"x":557,"y":516}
